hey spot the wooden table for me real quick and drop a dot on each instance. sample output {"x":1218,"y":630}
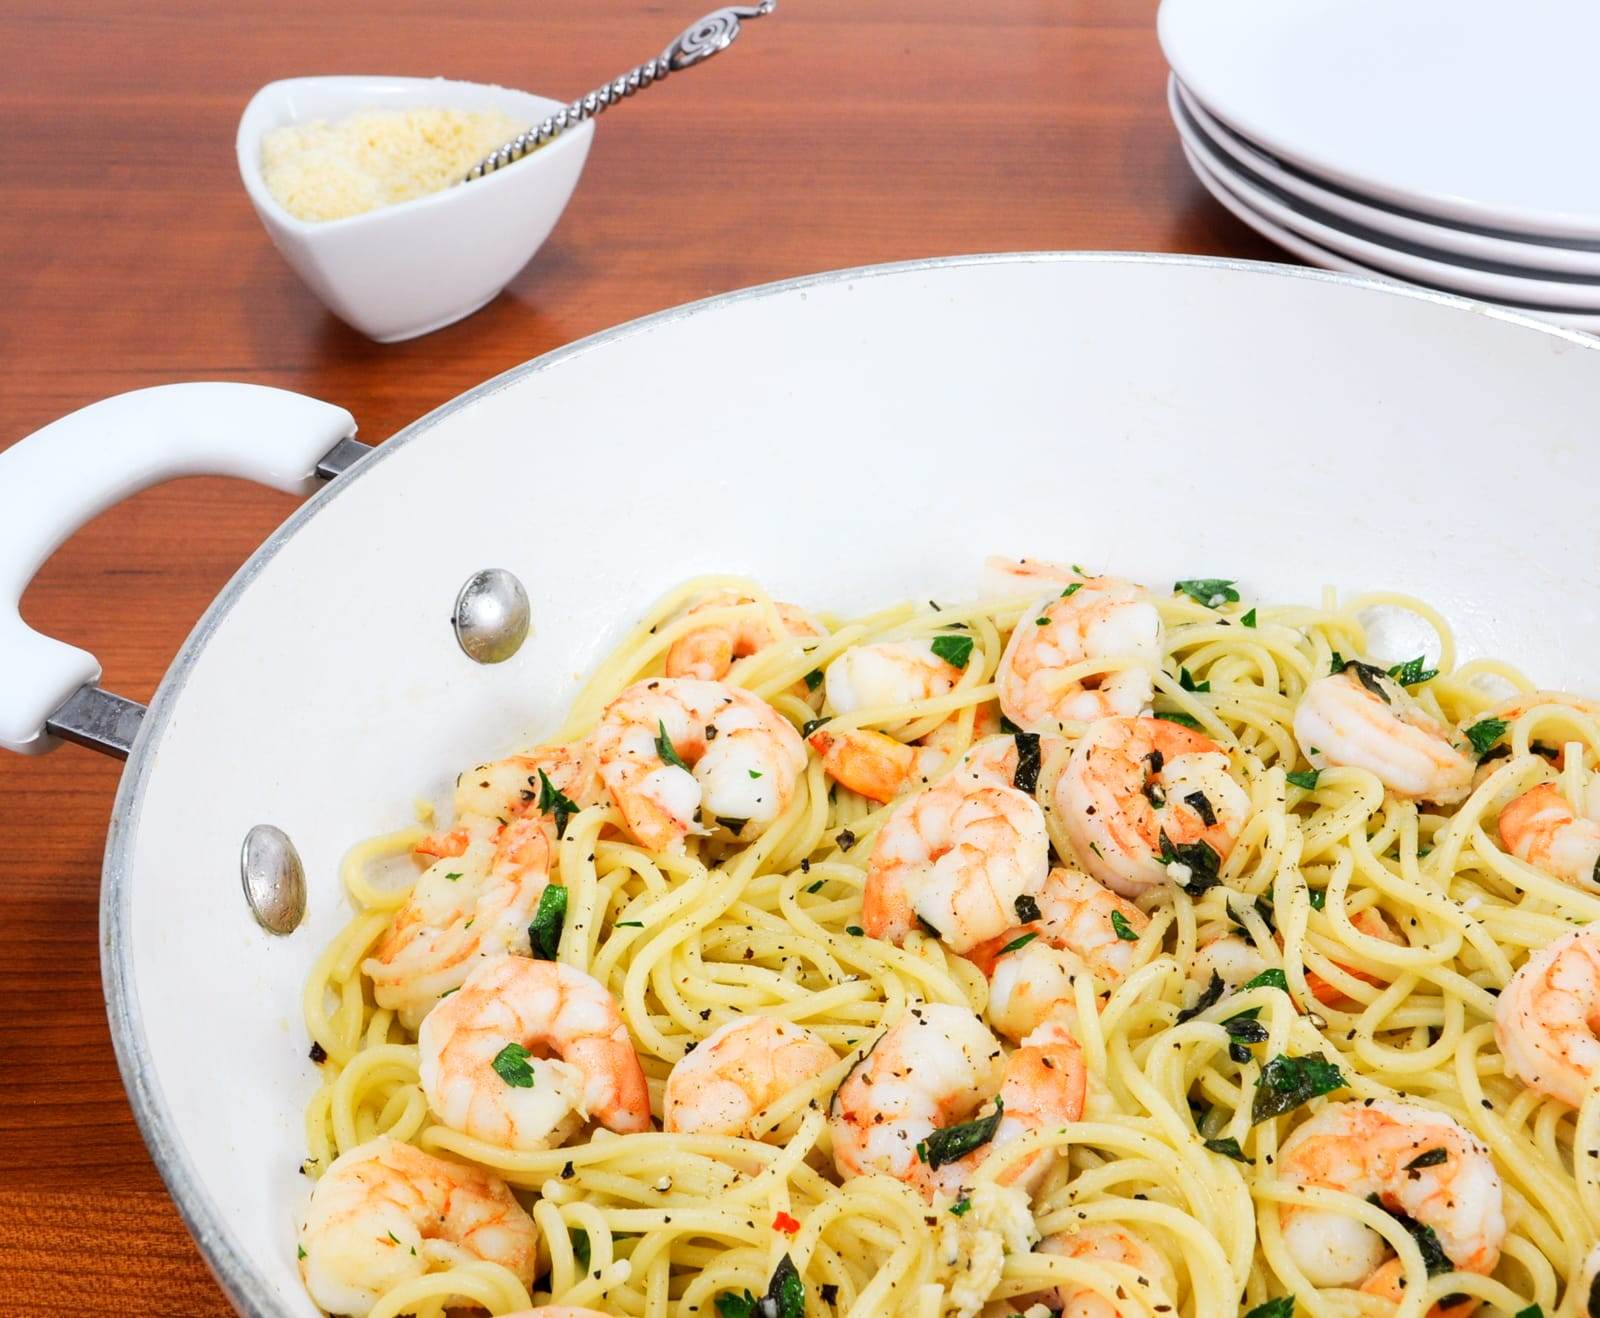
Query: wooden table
{"x":836,"y":133}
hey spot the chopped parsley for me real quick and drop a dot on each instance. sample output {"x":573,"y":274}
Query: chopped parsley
{"x":665,"y":748}
{"x":1016,"y":943}
{"x":1041,"y":622}
{"x":1125,"y":931}
{"x":785,"y":1297}
{"x":1287,"y":1082}
{"x":813,"y":679}
{"x":954,"y":650}
{"x":453,"y":875}
{"x":1304,"y":778}
{"x":1187,"y":682}
{"x":628,"y":924}
{"x":733,"y":825}
{"x":511,"y":1065}
{"x":1319,"y":898}
{"x":1433,"y":1255}
{"x":553,"y":801}
{"x":1245,"y":1028}
{"x":1072,"y":589}
{"x":754,"y":773}
{"x":1249,"y":619}
{"x":1029,"y":758}
{"x":1270,"y":978}
{"x":854,"y":929}
{"x":1228,"y":1148}
{"x":954,"y":1142}
{"x":1210,"y":591}
{"x":1412,"y":672}
{"x":1027,"y":909}
{"x":580,"y":1247}
{"x":815,"y":887}
{"x":1201,"y":805}
{"x":1199,"y":857}
{"x":1177,"y":716}
{"x":1432,"y":1158}
{"x":1282,"y":1307}
{"x":299,"y":1251}
{"x":1209,"y":997}
{"x":1534,"y":1311}
{"x":544,"y":934}
{"x":1369,"y":675}
{"x":961,"y":1207}
{"x":1484,"y":733}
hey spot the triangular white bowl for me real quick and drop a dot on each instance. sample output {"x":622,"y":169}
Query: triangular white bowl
{"x":404,"y":270}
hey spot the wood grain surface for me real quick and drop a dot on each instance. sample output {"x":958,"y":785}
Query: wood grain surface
{"x":836,"y":133}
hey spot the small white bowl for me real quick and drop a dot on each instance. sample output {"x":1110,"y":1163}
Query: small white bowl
{"x":404,"y":270}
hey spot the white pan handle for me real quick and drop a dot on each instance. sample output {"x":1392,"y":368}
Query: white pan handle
{"x":57,"y":478}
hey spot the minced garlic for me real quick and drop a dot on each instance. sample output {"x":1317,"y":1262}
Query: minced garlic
{"x":327,"y":171}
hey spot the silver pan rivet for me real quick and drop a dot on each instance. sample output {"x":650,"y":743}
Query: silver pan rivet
{"x":274,"y":879}
{"x":491,"y":617}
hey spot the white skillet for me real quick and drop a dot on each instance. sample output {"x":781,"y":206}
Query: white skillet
{"x":848,"y":439}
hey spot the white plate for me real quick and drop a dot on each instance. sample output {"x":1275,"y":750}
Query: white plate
{"x":1448,"y":241}
{"x":1471,"y":110}
{"x":1550,"y":297}
{"x":1316,"y":254}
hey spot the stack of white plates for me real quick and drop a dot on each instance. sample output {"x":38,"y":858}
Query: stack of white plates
{"x":1450,"y":143}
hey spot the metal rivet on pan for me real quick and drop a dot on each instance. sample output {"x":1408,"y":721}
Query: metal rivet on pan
{"x":274,"y":879}
{"x":491,"y":617}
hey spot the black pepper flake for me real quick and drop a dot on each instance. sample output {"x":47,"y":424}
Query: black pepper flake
{"x":568,"y":1172}
{"x":319,"y":1054}
{"x":845,"y":839}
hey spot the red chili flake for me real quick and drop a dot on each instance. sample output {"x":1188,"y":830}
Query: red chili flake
{"x":786,"y":1224}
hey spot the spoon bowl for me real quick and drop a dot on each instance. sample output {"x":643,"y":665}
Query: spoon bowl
{"x":404,"y":270}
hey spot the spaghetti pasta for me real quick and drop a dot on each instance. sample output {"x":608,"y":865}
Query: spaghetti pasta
{"x":1379,"y":932}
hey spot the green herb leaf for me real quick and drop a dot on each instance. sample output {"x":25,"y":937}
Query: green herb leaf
{"x":954,"y":650}
{"x":1228,"y":1148}
{"x":553,"y":801}
{"x":299,"y":1251}
{"x":813,"y":679}
{"x":1433,"y":1256}
{"x":754,"y":773}
{"x":544,"y":934}
{"x":1269,"y":978}
{"x":1041,"y":622}
{"x":730,"y":1305}
{"x":1209,"y":997}
{"x":1245,"y":1028}
{"x":734,"y":826}
{"x":1288,"y":1082}
{"x":511,"y":1065}
{"x":1027,"y":909}
{"x":1199,"y":857}
{"x":1125,"y":931}
{"x":664,"y":747}
{"x":1282,"y":1307}
{"x":1412,"y":673}
{"x":580,"y":1247}
{"x":628,"y":924}
{"x":1187,"y":682}
{"x":1179,"y":717}
{"x":1029,"y":758}
{"x":1484,"y":733}
{"x":1201,"y":805}
{"x":1210,"y":591}
{"x":1534,"y":1311}
{"x":815,"y":887}
{"x":811,"y":725}
{"x":1367,"y":674}
{"x":928,"y":928}
{"x":1015,"y":943}
{"x":1306,"y":778}
{"x":786,"y":1293}
{"x":961,"y":1207}
{"x":1432,"y":1158}
{"x":855,"y":929}
{"x":1319,"y":898}
{"x":453,"y":875}
{"x":1249,"y":619}
{"x":954,"y":1142}
{"x":1072,"y":589}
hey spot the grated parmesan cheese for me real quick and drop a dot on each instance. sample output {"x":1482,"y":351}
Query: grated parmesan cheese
{"x":327,"y":171}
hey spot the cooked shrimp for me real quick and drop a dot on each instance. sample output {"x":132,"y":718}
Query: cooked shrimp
{"x":1371,"y":923}
{"x":461,"y":910}
{"x":1236,"y":960}
{"x":1101,"y":618}
{"x":739,"y":1070}
{"x":886,"y":673}
{"x":1586,"y":1285}
{"x":1075,"y":935}
{"x":1385,"y":1148}
{"x":1374,"y":724}
{"x":1547,"y":1019}
{"x":938,"y":1067}
{"x":1541,"y":828}
{"x":743,"y":758}
{"x":956,"y":858}
{"x":1107,"y":1242}
{"x":527,"y":1052}
{"x":385,"y":1213}
{"x":708,"y":652}
{"x":513,"y":788}
{"x":1132,"y":782}
{"x":878,"y":767}
{"x":1389,"y":1281}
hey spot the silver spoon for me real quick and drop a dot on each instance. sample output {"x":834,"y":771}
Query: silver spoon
{"x":700,"y":41}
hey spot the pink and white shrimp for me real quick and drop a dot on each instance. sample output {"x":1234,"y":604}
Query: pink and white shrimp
{"x":1547,"y":1018}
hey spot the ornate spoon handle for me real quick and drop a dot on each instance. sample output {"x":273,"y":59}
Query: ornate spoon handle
{"x":700,"y":41}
